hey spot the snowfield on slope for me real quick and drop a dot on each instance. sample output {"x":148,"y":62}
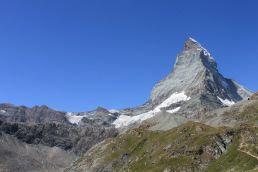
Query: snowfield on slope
{"x":124,"y":120}
{"x":74,"y":119}
{"x":226,"y":102}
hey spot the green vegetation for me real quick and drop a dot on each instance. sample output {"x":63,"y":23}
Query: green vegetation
{"x":233,"y":160}
{"x":189,"y":147}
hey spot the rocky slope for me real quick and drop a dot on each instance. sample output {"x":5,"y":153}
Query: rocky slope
{"x":40,"y":135}
{"x":36,"y":114}
{"x":77,"y":139}
{"x":100,"y":116}
{"x":254,"y":96}
{"x":244,"y":112}
{"x":37,"y":147}
{"x":18,"y":156}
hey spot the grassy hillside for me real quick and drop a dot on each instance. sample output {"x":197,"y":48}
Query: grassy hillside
{"x":190,"y":147}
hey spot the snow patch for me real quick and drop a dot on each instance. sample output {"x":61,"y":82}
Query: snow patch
{"x":193,"y":40}
{"x":74,"y":119}
{"x":174,"y":98}
{"x":110,"y":114}
{"x":125,"y":120}
{"x":113,"y":111}
{"x":174,"y":110}
{"x":2,"y":111}
{"x":227,"y":102}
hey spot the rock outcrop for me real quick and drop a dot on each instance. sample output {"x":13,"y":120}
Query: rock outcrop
{"x":254,"y":96}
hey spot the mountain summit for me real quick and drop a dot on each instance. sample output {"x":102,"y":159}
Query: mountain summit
{"x":191,"y":89}
{"x":191,"y":43}
{"x":195,"y":73}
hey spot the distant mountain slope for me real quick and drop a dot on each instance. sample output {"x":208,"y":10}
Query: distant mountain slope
{"x":36,"y":114}
{"x":17,"y":156}
{"x":33,"y":138}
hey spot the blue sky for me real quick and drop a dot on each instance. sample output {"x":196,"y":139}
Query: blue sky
{"x":79,"y":54}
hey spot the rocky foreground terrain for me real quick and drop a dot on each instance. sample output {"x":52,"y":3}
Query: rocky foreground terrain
{"x":195,"y":120}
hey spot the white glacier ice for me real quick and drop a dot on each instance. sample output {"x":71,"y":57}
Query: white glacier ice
{"x":174,"y":110}
{"x":74,"y":119}
{"x":125,"y":120}
{"x":226,"y":102}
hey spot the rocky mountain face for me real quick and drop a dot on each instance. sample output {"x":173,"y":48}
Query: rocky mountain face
{"x":77,"y":139}
{"x":193,"y":88}
{"x":19,"y":156}
{"x":36,"y":114}
{"x":195,"y":73}
{"x":100,"y":116}
{"x":32,"y":139}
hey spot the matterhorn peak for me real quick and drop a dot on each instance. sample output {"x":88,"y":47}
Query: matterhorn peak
{"x":191,"y":43}
{"x":191,"y":89}
{"x":195,"y":73}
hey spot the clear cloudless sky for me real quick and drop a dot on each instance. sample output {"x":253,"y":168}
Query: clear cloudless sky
{"x":79,"y":54}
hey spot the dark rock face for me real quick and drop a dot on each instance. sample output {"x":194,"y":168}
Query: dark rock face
{"x":36,"y":114}
{"x":40,"y":135}
{"x":66,"y":137}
